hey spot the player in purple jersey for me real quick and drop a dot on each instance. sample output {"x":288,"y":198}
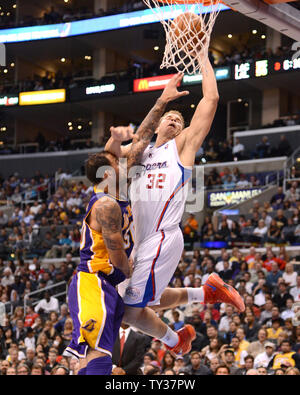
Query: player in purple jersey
{"x":106,"y":243}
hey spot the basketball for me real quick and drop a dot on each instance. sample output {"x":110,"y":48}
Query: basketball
{"x":187,"y":30}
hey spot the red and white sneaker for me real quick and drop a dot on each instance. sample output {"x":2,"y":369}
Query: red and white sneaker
{"x":186,"y":335}
{"x":217,"y":291}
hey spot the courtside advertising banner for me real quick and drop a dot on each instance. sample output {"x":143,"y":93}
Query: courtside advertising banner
{"x":226,"y":198}
{"x":96,"y":91}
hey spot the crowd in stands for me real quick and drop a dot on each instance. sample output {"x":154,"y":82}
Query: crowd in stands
{"x":228,"y":151}
{"x":264,"y":340}
{"x":59,"y":80}
{"x":274,"y":222}
{"x":41,"y":220}
{"x":39,"y":247}
{"x":65,"y":14}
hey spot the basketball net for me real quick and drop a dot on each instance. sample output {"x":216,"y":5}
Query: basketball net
{"x":185,"y":46}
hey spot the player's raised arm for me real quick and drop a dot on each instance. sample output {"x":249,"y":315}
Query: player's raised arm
{"x":147,"y":128}
{"x":145,"y":132}
{"x":109,"y":217}
{"x":205,"y":112}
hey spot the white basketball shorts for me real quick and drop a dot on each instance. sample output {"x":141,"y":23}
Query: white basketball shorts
{"x":155,"y":262}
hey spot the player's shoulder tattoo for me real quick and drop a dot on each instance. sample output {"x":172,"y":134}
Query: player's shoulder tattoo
{"x":108,"y":215}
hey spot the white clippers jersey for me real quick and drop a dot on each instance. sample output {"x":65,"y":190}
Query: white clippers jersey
{"x":158,"y":191}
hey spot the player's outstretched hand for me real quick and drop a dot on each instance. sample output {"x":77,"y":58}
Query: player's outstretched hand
{"x":122,"y":133}
{"x":171,"y":92}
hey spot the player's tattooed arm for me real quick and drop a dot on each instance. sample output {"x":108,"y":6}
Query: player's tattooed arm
{"x":108,"y":216}
{"x":145,"y":132}
{"x":133,"y":152}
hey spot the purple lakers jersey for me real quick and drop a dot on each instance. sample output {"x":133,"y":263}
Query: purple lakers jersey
{"x":94,"y":256}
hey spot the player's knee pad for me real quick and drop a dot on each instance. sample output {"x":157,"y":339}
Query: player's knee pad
{"x":100,"y":366}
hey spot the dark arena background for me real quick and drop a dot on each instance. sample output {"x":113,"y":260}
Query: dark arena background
{"x":71,"y":69}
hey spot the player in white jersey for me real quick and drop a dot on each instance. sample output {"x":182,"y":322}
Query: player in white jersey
{"x":158,"y":198}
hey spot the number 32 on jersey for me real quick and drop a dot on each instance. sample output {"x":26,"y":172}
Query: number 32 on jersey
{"x":156,"y":181}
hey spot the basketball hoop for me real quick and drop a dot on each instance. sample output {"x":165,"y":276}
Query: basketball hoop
{"x":188,"y":25}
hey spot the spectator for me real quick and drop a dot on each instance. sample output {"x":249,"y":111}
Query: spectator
{"x":266,"y":314}
{"x":252,"y":372}
{"x":284,"y":148}
{"x":11,"y":371}
{"x":292,"y":372}
{"x":196,"y":367}
{"x":52,"y":360}
{"x":167,"y":362}
{"x":251,"y":325}
{"x":19,"y":331}
{"x":288,"y":311}
{"x":238,"y":149}
{"x":258,"y":346}
{"x":265,"y":358}
{"x":227,"y":273}
{"x":260,"y":232}
{"x":29,"y":340}
{"x":228,"y":358}
{"x":129,"y":350}
{"x":177,"y":324}
{"x":212,"y":350}
{"x":275,"y":316}
{"x":226,"y":319}
{"x":37,"y":370}
{"x":290,"y":276}
{"x":60,"y":370}
{"x":30,"y":357}
{"x":274,"y":275}
{"x":67,"y":331}
{"x":285,"y":356}
{"x":47,"y":304}
{"x":240,"y":334}
{"x":229,"y":183}
{"x":23,"y":370}
{"x":281,"y":296}
{"x":239,"y":353}
{"x":277,"y":199}
{"x":275,"y":330}
{"x":274,"y":231}
{"x":190,"y":228}
{"x":8,"y":278}
{"x":263,"y":149}
{"x":222,"y":370}
{"x":295,"y":291}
